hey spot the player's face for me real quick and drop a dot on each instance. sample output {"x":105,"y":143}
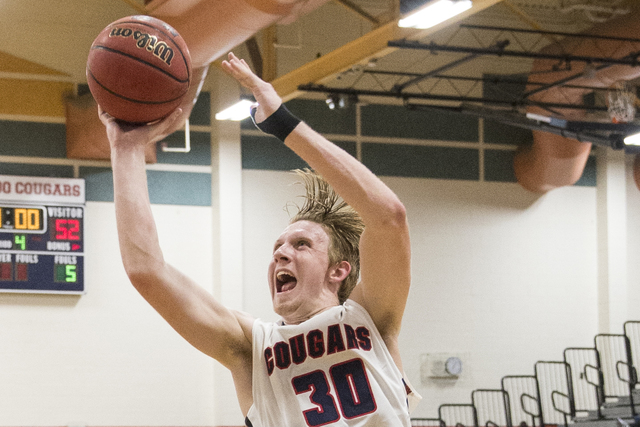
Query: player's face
{"x":299,"y":272}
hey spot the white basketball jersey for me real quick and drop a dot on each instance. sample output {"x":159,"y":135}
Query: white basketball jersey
{"x":331,"y":370}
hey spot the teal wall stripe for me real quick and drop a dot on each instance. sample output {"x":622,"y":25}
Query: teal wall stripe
{"x":48,"y":140}
{"x":499,"y":133}
{"x":168,"y":188}
{"x":505,"y":91}
{"x":269,"y":153}
{"x":33,"y":139}
{"x":247,"y":124}
{"x":494,"y":131}
{"x":28,"y":169}
{"x":200,"y":153}
{"x":317,"y":115}
{"x":421,"y":161}
{"x":259,"y":152}
{"x":399,"y":122}
{"x":201,"y":113}
{"x":588,"y":178}
{"x":179,"y":188}
{"x":498,"y":166}
{"x":98,"y":183}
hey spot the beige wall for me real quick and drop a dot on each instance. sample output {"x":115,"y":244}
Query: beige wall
{"x":502,"y":278}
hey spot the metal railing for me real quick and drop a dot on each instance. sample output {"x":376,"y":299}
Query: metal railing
{"x":590,"y":384}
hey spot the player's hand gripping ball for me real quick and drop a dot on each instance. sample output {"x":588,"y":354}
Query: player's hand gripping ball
{"x":139,"y":69}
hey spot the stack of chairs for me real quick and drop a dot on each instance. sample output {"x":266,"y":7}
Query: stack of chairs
{"x":591,"y":387}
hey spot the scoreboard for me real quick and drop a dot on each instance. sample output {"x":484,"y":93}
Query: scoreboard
{"x":41,"y":234}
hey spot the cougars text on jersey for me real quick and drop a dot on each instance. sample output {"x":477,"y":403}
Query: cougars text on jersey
{"x":315,"y":344}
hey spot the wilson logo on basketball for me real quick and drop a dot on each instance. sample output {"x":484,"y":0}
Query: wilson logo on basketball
{"x":146,"y":41}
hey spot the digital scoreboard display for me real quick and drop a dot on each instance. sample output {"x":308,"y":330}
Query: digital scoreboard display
{"x":41,"y":244}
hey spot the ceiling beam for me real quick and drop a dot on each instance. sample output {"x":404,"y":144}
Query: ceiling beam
{"x":371,"y":45}
{"x":499,"y":50}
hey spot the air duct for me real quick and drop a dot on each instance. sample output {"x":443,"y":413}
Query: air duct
{"x":212,"y":28}
{"x":554,"y":161}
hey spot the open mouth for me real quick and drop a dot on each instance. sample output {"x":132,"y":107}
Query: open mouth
{"x":285,"y":281}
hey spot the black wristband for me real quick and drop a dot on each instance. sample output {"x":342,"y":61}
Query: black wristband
{"x":279,"y":124}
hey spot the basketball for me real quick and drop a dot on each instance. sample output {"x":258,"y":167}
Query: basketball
{"x":139,"y":69}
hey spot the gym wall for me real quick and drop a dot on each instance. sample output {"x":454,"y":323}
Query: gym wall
{"x":501,"y":276}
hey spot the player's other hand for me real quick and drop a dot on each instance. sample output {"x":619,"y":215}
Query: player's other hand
{"x":264,"y":93}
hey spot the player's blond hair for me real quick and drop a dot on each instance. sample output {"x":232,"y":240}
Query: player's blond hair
{"x":341,"y":222}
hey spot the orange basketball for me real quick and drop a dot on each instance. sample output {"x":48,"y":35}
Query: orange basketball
{"x":139,"y":69}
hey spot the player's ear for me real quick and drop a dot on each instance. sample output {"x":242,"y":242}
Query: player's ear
{"x":340,"y":271}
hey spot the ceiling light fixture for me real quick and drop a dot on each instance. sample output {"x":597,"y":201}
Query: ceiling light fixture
{"x":331,"y":102}
{"x":238,"y":111}
{"x":341,"y":101}
{"x":434,"y":13}
{"x":633,"y":139}
{"x":336,"y":101}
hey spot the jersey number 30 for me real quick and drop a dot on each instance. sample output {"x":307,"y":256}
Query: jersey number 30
{"x":351,"y":386}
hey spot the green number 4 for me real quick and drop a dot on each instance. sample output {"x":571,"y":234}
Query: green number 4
{"x":20,"y":240}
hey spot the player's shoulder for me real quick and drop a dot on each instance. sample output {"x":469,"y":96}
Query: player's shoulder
{"x":246,"y":322}
{"x":353,"y":308}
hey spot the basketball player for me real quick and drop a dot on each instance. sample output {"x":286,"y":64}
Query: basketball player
{"x":333,"y":359}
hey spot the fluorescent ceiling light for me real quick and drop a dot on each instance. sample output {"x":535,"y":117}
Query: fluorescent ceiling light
{"x":633,"y":139}
{"x":560,"y":123}
{"x":238,"y":111}
{"x":435,"y":13}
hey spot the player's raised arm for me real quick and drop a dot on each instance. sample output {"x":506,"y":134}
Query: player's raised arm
{"x":384,"y":245}
{"x":194,"y":313}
